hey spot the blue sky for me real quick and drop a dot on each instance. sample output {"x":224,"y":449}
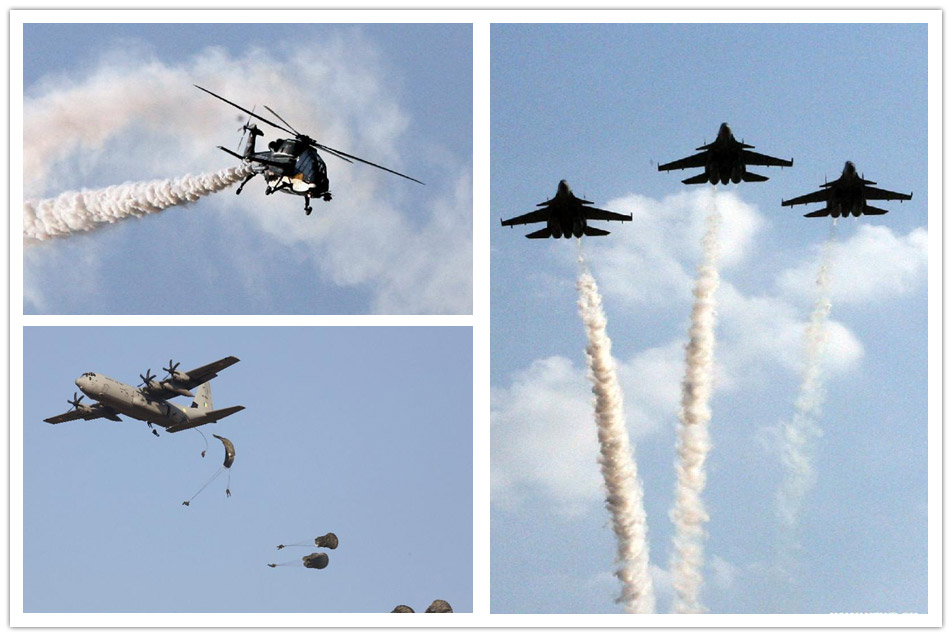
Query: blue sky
{"x":365,"y":432}
{"x":111,"y":103}
{"x":601,"y":105}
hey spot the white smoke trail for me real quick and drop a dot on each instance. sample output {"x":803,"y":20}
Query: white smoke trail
{"x":688,"y":513}
{"x":802,"y":430}
{"x":87,"y":209}
{"x":625,"y":499}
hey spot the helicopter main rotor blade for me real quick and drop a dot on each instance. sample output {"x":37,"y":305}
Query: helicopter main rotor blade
{"x":344,"y":155}
{"x":282,"y":119}
{"x":245,"y":110}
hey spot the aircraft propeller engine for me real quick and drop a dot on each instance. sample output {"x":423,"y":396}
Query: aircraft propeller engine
{"x":147,"y":378}
{"x":76,"y":401}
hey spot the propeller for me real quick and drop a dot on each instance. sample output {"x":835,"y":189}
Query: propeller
{"x":147,"y":378}
{"x":171,"y":369}
{"x":75,"y":402}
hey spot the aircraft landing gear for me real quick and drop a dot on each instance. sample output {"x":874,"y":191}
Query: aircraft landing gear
{"x":307,"y":204}
{"x":246,"y":180}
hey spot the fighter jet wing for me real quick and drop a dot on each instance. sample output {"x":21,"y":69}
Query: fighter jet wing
{"x":596,"y":214}
{"x":694,"y":161}
{"x":98,"y":410}
{"x":820,"y":196}
{"x":879,"y":193}
{"x":758,"y":159}
{"x":536,"y":216}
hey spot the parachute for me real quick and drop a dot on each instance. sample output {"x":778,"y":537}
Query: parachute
{"x":328,"y":541}
{"x":438,"y":606}
{"x":314,"y":560}
{"x":226,"y":465}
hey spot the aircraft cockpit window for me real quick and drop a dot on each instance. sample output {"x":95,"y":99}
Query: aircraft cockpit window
{"x":289,"y":147}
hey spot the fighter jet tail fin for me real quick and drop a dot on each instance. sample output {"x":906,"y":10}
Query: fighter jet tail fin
{"x":697,"y":179}
{"x":825,"y":212}
{"x":203,"y":397}
{"x":754,"y":177}
{"x":595,"y":232}
{"x":544,"y":233}
{"x":872,"y":210}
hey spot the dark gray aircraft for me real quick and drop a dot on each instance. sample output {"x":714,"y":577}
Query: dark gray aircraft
{"x":725,"y":159}
{"x":149,"y":401}
{"x":566,"y":215}
{"x":847,"y":194}
{"x":290,"y":165}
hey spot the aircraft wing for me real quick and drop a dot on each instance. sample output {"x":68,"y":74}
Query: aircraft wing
{"x":759,"y":159}
{"x":536,"y":216}
{"x":820,"y":196}
{"x":694,"y":161}
{"x":879,"y":193}
{"x":196,"y":377}
{"x":597,"y":214}
{"x":97,"y":410}
{"x":205,"y":373}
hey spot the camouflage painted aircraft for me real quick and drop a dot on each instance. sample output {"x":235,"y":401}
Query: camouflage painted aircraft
{"x":566,"y":215}
{"x":149,"y":401}
{"x":847,"y":195}
{"x":725,"y":159}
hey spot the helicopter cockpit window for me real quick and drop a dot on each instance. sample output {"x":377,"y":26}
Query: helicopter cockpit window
{"x":288,"y":146}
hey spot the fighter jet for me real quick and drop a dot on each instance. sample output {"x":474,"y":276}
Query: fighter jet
{"x":725,"y":159}
{"x":149,"y":401}
{"x":566,"y":215}
{"x":847,"y":194}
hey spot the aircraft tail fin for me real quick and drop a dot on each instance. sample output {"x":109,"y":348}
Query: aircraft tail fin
{"x":872,"y":210}
{"x":754,"y":177}
{"x":697,"y":179}
{"x":203,"y":397}
{"x":544,"y":233}
{"x":825,"y":212}
{"x":595,"y":232}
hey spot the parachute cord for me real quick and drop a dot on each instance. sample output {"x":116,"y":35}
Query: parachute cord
{"x":228,"y":486}
{"x":203,"y":438}
{"x":301,"y":543}
{"x":285,"y":563}
{"x":210,"y":480}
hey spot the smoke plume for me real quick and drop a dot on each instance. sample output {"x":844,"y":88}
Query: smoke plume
{"x":799,"y":434}
{"x":625,"y":500}
{"x":85,"y":210}
{"x":688,"y":513}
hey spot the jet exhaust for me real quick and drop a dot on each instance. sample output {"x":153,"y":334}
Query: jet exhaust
{"x":625,"y":500}
{"x":86,"y":210}
{"x":800,"y":433}
{"x":688,"y":513}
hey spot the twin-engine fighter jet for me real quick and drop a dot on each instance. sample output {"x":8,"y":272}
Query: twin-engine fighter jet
{"x":566,"y":215}
{"x":149,"y":401}
{"x":725,"y":159}
{"x":847,"y":194}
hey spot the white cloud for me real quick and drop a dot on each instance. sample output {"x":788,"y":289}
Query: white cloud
{"x":136,"y":118}
{"x":872,"y":265}
{"x":658,"y":257}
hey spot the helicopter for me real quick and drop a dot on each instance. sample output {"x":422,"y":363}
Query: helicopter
{"x":290,"y":165}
